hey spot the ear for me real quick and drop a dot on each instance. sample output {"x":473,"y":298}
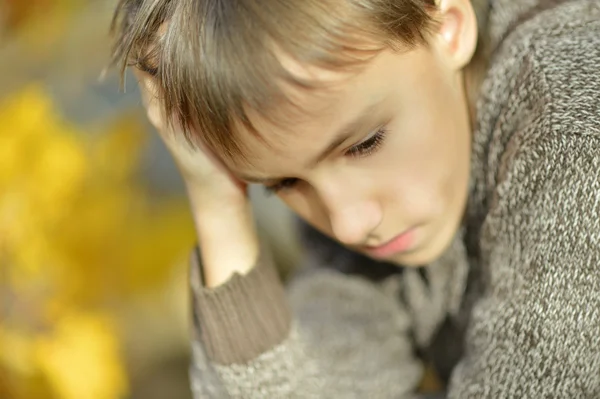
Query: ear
{"x":456,"y":37}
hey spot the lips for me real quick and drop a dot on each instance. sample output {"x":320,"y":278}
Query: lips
{"x":401,"y":243}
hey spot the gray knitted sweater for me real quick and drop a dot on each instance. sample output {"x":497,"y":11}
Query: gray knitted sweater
{"x":511,"y":310}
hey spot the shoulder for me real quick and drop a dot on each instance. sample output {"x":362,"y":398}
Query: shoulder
{"x":565,"y":57}
{"x":560,"y":41}
{"x":556,"y":94}
{"x":549,"y":23}
{"x":556,"y":51}
{"x":541,"y":90}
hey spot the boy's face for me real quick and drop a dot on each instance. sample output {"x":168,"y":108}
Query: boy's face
{"x":397,"y":168}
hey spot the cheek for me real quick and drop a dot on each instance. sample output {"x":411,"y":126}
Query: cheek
{"x":308,"y":208}
{"x":418,"y":194}
{"x":432,"y":155}
{"x":412,"y":173}
{"x":432,"y":184}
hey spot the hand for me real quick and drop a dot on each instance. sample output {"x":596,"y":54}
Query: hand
{"x":207,"y":179}
{"x":219,"y":202}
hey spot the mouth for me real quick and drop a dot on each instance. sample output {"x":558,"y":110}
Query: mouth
{"x":399,"y":244}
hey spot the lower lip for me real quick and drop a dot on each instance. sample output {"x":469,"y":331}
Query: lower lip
{"x":399,"y":244}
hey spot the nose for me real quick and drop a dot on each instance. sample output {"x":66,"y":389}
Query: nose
{"x":352,"y":224}
{"x":351,"y":217}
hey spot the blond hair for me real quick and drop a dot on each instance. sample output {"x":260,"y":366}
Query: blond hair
{"x":215,"y":59}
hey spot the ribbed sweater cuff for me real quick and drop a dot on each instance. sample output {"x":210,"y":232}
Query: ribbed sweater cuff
{"x":244,"y":317}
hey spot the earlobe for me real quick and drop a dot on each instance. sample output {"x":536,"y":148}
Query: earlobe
{"x":457,"y":34}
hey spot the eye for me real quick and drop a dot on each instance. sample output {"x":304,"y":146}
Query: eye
{"x":368,"y":146}
{"x":282,"y":185}
{"x":362,"y":149}
{"x":144,"y":66}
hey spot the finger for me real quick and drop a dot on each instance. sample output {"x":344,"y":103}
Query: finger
{"x":151,"y":100}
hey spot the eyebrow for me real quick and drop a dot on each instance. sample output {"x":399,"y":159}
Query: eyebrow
{"x":347,"y":131}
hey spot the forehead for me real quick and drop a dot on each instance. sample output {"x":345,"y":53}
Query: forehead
{"x":298,"y":129}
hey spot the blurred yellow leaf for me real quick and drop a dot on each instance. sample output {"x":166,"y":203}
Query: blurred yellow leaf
{"x":81,"y":358}
{"x":78,"y":232}
{"x":16,"y":351}
{"x":40,"y":22}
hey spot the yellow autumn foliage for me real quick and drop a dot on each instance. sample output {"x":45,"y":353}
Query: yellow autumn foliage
{"x":65,"y":357}
{"x":78,"y":234}
{"x":40,"y":22}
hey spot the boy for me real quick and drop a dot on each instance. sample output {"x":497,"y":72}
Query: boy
{"x":447,"y":157}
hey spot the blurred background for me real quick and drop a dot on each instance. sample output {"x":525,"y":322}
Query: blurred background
{"x":94,"y":226}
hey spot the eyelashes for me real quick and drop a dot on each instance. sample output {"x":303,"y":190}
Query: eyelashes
{"x":283,"y":185}
{"x":362,"y":149}
{"x":368,"y":146}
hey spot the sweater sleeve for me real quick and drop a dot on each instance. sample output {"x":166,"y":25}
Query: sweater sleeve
{"x":328,"y":335}
{"x":536,"y":331}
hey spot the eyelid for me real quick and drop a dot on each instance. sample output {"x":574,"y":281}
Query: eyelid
{"x":377,"y":138}
{"x":370,"y":136}
{"x":281,"y":185}
{"x":374,"y":132}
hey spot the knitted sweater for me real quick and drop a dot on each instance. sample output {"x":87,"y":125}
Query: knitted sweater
{"x":512,"y":309}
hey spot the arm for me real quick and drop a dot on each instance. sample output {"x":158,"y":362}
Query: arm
{"x":536,"y":331}
{"x":329,"y":336}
